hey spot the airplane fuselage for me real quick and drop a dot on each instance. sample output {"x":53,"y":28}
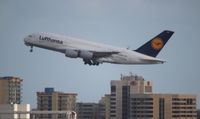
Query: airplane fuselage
{"x":90,"y":52}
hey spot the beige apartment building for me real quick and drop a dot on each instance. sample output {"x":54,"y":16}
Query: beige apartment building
{"x":10,"y":90}
{"x":51,"y":100}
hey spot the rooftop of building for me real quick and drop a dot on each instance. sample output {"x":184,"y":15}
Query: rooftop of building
{"x":60,"y":93}
{"x":50,"y":90}
{"x":131,"y":77}
{"x":9,"y":78}
{"x":178,"y":95}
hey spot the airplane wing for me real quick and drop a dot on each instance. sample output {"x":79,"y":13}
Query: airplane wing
{"x":89,"y":56}
{"x":98,"y":54}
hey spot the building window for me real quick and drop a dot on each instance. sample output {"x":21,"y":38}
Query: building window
{"x":161,"y":108}
{"x":125,"y":101}
{"x":113,"y":88}
{"x":112,"y":99}
{"x":112,"y":115}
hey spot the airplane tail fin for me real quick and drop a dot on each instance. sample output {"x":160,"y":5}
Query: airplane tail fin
{"x":155,"y":45}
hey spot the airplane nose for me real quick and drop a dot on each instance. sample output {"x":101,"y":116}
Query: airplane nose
{"x":26,"y":41}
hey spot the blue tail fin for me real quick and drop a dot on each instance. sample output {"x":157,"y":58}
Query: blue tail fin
{"x":155,"y":45}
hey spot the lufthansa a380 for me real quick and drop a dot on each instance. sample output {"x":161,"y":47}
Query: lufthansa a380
{"x":95,"y":53}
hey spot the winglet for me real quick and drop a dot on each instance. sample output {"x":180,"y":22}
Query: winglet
{"x":155,"y":45}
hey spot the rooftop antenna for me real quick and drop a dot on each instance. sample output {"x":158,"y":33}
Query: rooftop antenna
{"x":121,"y":76}
{"x":131,"y":74}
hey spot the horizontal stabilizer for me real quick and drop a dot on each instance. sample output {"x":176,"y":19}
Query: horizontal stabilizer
{"x":150,"y":61}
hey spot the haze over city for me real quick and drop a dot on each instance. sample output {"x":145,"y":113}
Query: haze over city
{"x":119,"y":23}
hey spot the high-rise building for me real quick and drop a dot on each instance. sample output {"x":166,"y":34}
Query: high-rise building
{"x":10,"y":90}
{"x":132,"y":98}
{"x":55,"y":101}
{"x":121,"y":91}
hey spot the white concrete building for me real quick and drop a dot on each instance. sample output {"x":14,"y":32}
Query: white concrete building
{"x":14,"y":111}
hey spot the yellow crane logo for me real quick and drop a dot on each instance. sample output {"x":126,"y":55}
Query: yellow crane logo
{"x":157,"y":43}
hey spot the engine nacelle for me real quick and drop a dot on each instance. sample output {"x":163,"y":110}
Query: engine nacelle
{"x":71,"y":53}
{"x":86,"y":55}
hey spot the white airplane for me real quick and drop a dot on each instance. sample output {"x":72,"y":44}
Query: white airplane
{"x":95,"y":53}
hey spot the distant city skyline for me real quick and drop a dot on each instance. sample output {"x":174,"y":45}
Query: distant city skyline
{"x":122,"y":23}
{"x":130,"y":96}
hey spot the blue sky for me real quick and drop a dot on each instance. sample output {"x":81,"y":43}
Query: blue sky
{"x":123,"y":23}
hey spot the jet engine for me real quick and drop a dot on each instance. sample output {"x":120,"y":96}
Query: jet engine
{"x":82,"y":54}
{"x":71,"y":53}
